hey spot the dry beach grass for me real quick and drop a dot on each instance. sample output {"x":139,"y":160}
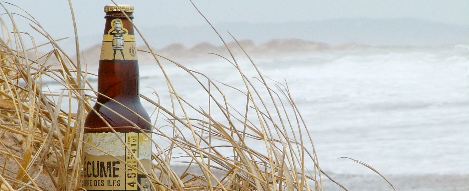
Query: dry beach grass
{"x":41,"y":130}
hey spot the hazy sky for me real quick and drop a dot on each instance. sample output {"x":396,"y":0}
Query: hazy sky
{"x":55,"y":14}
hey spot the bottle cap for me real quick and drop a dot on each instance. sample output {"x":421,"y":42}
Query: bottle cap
{"x":118,"y":8}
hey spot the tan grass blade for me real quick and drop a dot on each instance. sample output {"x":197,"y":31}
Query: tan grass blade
{"x":371,"y":168}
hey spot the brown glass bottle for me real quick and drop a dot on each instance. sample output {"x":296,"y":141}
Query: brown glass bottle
{"x":118,"y":82}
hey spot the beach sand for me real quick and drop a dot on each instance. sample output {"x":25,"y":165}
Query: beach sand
{"x":425,"y":182}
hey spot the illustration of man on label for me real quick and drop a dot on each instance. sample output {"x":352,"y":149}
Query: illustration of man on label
{"x":118,"y":38}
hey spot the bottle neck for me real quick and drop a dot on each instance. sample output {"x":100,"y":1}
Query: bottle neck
{"x":118,"y":80}
{"x":118,"y":66}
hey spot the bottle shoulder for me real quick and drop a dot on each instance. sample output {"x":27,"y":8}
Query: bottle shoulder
{"x":118,"y":113}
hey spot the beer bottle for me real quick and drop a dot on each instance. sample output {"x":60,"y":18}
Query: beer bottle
{"x":111,"y":155}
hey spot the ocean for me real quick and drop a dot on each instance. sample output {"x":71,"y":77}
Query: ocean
{"x":402,"y":110}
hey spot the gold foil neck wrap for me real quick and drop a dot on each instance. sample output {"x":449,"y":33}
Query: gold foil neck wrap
{"x":114,"y":8}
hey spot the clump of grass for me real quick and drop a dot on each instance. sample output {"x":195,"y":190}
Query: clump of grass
{"x":39,"y":138}
{"x":41,"y":130}
{"x":41,"y":141}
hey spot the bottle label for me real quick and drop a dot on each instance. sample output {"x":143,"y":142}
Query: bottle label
{"x":109,"y":165}
{"x":118,"y":44}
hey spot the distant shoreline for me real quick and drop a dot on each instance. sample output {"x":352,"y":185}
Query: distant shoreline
{"x":273,"y":47}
